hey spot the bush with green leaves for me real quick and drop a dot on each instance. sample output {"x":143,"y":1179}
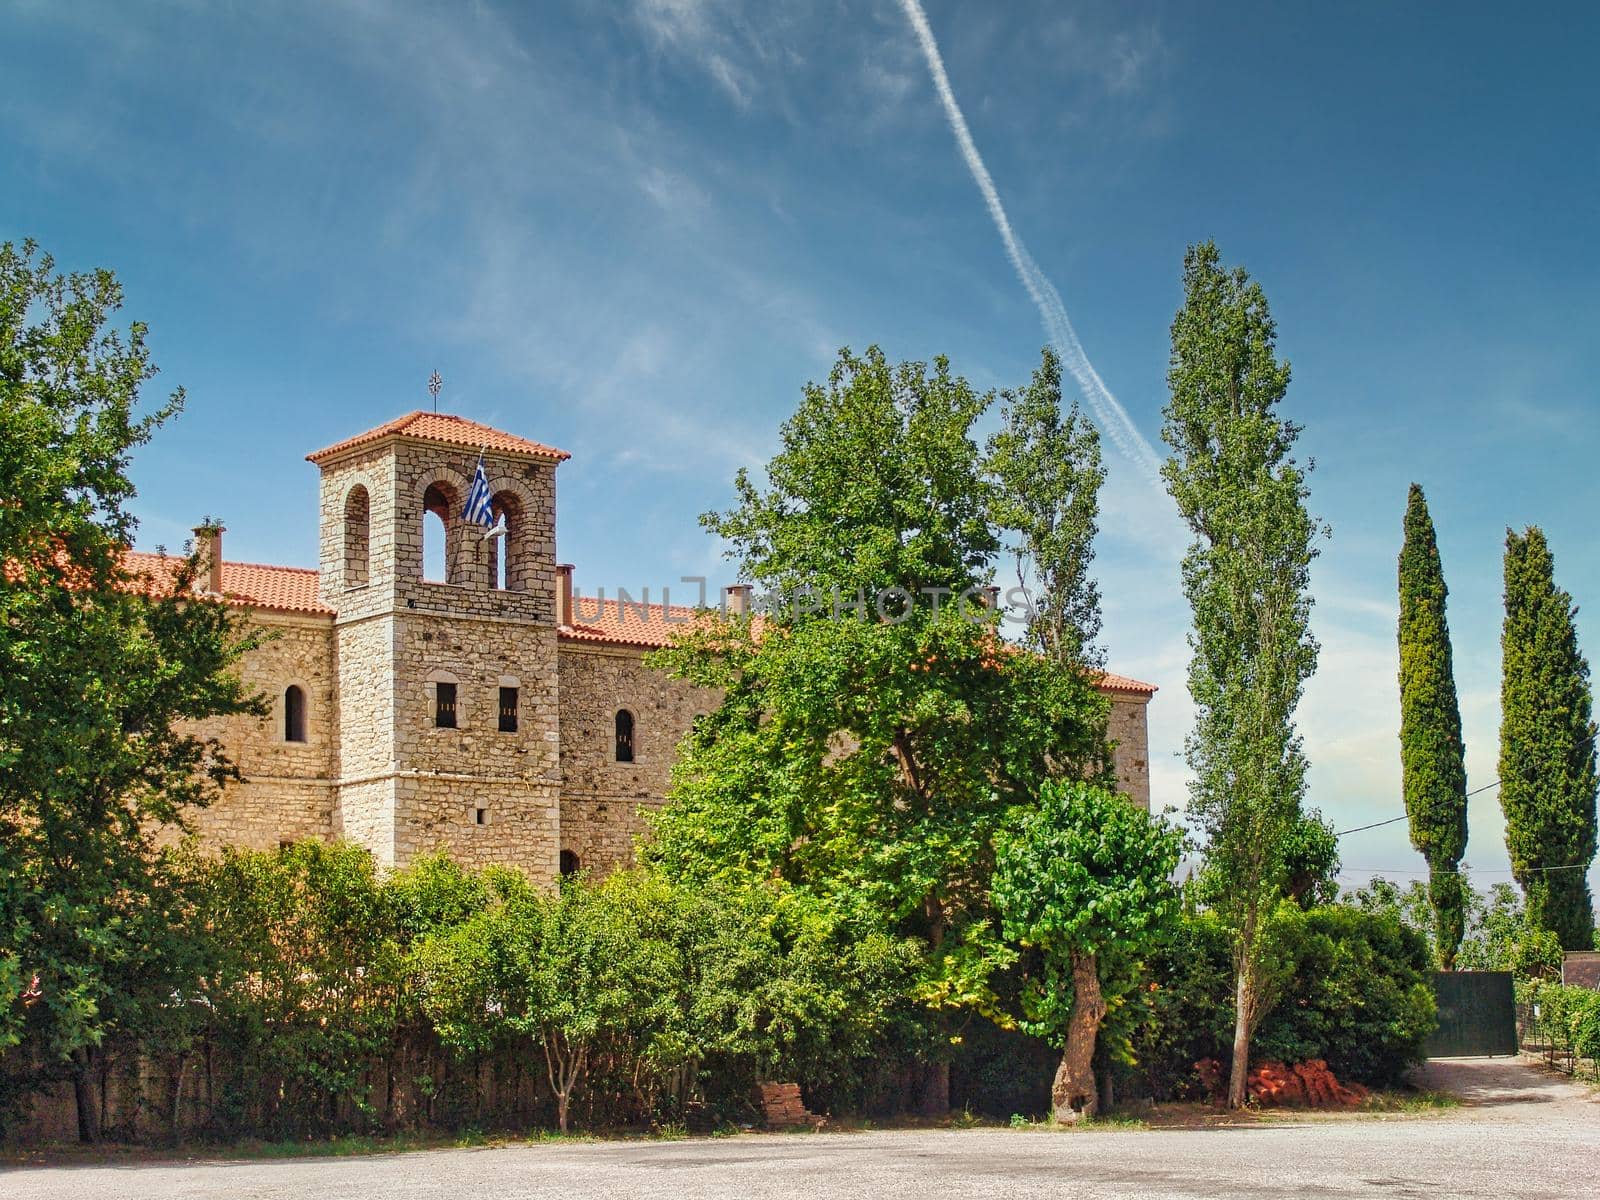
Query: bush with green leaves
{"x":1564,"y":1015}
{"x":1361,"y":997}
{"x":1353,"y":986}
{"x":671,"y":993}
{"x":1498,"y":935}
{"x":306,"y":988}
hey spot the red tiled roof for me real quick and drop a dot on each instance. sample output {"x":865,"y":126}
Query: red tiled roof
{"x":626,"y":625}
{"x":447,"y":430}
{"x":609,"y":620}
{"x":294,"y":589}
{"x":249,"y":585}
{"x":1121,"y":683}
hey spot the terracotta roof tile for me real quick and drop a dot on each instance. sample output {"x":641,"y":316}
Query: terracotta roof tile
{"x":444,"y":429}
{"x":294,"y":589}
{"x":1121,"y":683}
{"x":626,"y":625}
{"x":609,"y":620}
{"x":249,"y":585}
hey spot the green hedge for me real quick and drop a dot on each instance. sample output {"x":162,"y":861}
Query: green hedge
{"x":1563,"y":1015}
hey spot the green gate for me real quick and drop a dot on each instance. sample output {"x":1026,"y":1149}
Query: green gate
{"x":1477,"y":1015}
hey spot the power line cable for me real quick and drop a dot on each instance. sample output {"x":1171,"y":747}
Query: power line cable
{"x":1468,"y":796}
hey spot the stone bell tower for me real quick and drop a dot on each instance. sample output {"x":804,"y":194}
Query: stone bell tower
{"x":446,"y":688}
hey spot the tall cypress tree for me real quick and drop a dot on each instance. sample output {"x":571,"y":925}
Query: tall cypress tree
{"x":1433,"y":770}
{"x":1547,"y":748}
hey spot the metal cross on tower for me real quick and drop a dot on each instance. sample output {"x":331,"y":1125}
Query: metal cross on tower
{"x":434,"y":384}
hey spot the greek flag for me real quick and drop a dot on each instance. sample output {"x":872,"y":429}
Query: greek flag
{"x":477,"y":510}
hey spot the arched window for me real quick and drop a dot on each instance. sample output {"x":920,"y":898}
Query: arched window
{"x":624,"y":745}
{"x":294,"y":714}
{"x":506,"y":557}
{"x":569,"y":863}
{"x":357,"y":536}
{"x":438,"y":517}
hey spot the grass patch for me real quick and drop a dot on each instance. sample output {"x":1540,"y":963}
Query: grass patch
{"x":1411,"y":1100}
{"x":1100,"y":1122}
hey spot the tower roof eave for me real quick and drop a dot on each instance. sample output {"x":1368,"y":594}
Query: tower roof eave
{"x":443,"y":429}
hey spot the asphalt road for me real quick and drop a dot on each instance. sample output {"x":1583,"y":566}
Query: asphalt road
{"x":1520,"y":1134}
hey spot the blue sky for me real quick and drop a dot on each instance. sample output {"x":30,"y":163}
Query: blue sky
{"x":635,"y":230}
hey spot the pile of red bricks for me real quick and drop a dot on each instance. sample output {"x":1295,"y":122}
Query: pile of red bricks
{"x":1305,"y":1085}
{"x":783,"y":1108}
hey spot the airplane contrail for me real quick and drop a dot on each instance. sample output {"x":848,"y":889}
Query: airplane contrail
{"x":1112,"y":416}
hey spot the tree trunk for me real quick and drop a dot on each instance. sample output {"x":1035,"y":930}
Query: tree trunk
{"x":562,"y":1097}
{"x":1074,"y":1094}
{"x":1240,"y":1073}
{"x":83,"y":1095}
{"x":936,"y":1081}
{"x":175,"y":1113}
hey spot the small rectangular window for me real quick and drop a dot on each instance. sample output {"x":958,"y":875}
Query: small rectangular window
{"x":508,"y":710}
{"x":480,"y":816}
{"x":444,"y":705}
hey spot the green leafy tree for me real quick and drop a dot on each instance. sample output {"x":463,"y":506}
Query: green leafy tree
{"x":1085,"y":879}
{"x":1311,"y":862}
{"x":571,"y":972}
{"x":1246,"y":576}
{"x":1432,"y":763}
{"x":1047,"y":474}
{"x":1500,"y":938}
{"x":1547,"y":745}
{"x":867,"y":756}
{"x":307,"y":989}
{"x":102,"y":677}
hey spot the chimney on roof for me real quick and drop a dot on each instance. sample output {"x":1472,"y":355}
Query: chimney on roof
{"x":737,"y":603}
{"x":564,"y":595}
{"x":208,"y":544}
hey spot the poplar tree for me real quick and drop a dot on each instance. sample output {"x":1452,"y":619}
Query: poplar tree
{"x":1246,"y":576}
{"x":1547,"y":749}
{"x":1433,"y":770}
{"x":1047,"y":472}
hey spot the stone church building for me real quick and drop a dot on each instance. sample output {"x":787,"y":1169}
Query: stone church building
{"x":492,"y":714}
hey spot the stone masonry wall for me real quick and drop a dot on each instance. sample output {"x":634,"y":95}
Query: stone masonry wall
{"x":287,"y":793}
{"x":364,"y":757}
{"x":601,"y":799}
{"x":528,"y":488}
{"x":350,"y":593}
{"x":377,"y":770}
{"x":1129,"y":730}
{"x":445,"y":776}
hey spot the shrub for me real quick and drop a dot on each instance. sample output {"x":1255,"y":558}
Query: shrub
{"x":1566,"y":1014}
{"x":1361,"y":997}
{"x":305,"y":989}
{"x":1356,"y":993}
{"x":1185,"y":1011}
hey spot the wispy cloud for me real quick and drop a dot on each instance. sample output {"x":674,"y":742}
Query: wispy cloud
{"x":694,"y":28}
{"x":1113,"y":418}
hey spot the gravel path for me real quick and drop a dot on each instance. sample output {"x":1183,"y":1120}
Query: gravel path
{"x":1519,"y":1134}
